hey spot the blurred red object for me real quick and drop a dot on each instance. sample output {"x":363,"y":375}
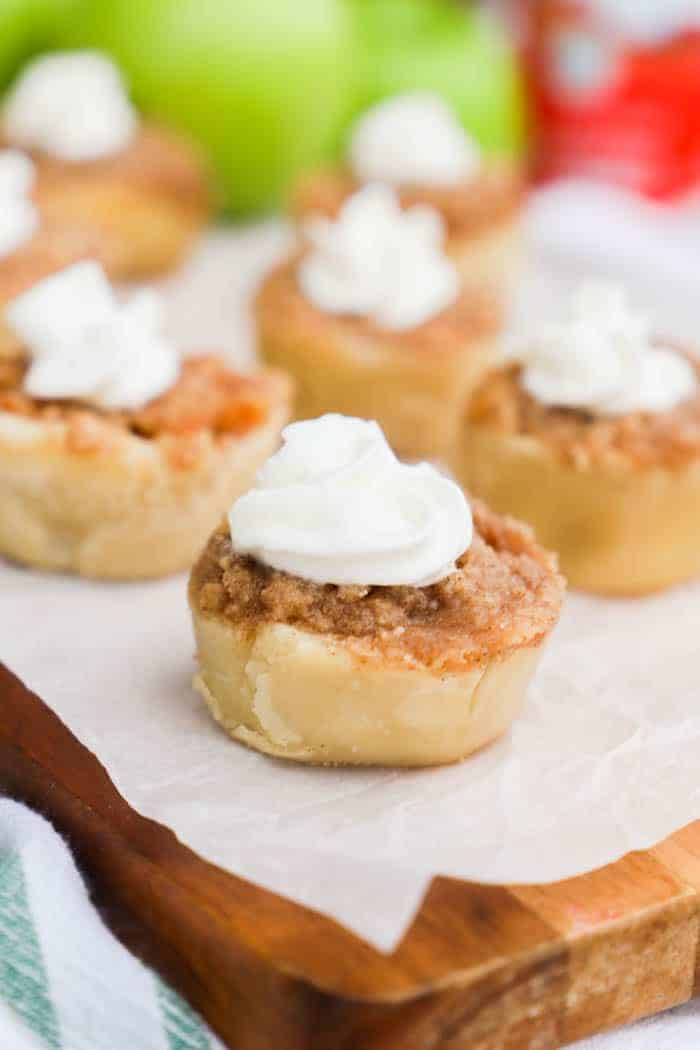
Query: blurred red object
{"x":615,"y":86}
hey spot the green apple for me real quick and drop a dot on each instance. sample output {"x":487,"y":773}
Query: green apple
{"x":262,"y":84}
{"x":458,"y":51}
{"x":28,"y":26}
{"x":18,"y":24}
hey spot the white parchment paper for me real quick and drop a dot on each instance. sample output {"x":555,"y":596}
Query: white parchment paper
{"x":606,"y":757}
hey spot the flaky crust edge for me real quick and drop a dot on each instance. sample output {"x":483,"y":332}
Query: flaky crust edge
{"x":123,"y":512}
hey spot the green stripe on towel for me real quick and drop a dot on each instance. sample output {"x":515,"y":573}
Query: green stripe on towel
{"x":23,"y":980}
{"x":181,"y":1025}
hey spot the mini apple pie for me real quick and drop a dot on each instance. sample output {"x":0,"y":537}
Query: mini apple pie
{"x":116,"y":459}
{"x":593,"y":437}
{"x":139,"y":191}
{"x":371,"y":321}
{"x":353,"y":610}
{"x":415,"y":143}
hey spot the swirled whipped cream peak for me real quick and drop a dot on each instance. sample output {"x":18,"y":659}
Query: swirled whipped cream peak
{"x":72,"y":105}
{"x":602,"y":359}
{"x":379,"y":261}
{"x":86,"y":346}
{"x":19,"y":217}
{"x":413,"y":139}
{"x":335,"y":505}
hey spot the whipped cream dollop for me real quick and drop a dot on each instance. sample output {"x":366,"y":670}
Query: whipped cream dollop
{"x":86,"y":346}
{"x":379,"y":261}
{"x":334,"y":505}
{"x":602,"y":359}
{"x":72,"y":105}
{"x":19,"y":217}
{"x":413,"y":139}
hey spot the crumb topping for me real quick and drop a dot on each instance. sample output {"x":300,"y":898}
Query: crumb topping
{"x":467,"y":209}
{"x":154,"y":160}
{"x":506,"y":594}
{"x":644,"y":439}
{"x":472,"y":316}
{"x":209,"y":397}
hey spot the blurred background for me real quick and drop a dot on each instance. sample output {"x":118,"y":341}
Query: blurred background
{"x":604,"y":88}
{"x":600,"y":99}
{"x":269,"y":87}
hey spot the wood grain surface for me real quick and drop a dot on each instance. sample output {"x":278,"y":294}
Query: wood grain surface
{"x":481,"y":968}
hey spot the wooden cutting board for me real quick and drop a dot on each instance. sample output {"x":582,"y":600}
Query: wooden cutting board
{"x":481,"y":968}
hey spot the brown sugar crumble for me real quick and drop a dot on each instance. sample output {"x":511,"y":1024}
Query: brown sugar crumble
{"x":468,"y":209}
{"x":207,"y":397}
{"x":280,"y":303}
{"x":153,"y":160}
{"x":642,"y":439}
{"x":505,"y":594}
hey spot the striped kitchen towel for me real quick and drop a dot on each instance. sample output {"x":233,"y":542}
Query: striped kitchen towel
{"x":65,"y":982}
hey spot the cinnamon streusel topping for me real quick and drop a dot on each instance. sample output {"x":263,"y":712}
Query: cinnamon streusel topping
{"x":154,"y":160}
{"x":280,"y":301}
{"x":469,"y":208}
{"x":209,"y":397}
{"x":505,"y":595}
{"x":641,"y":439}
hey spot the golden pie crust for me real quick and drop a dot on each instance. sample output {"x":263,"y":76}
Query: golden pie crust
{"x":131,"y":495}
{"x":142,"y":207}
{"x":618,"y":498}
{"x":414,"y":383}
{"x":374,"y":675}
{"x":482,"y":217}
